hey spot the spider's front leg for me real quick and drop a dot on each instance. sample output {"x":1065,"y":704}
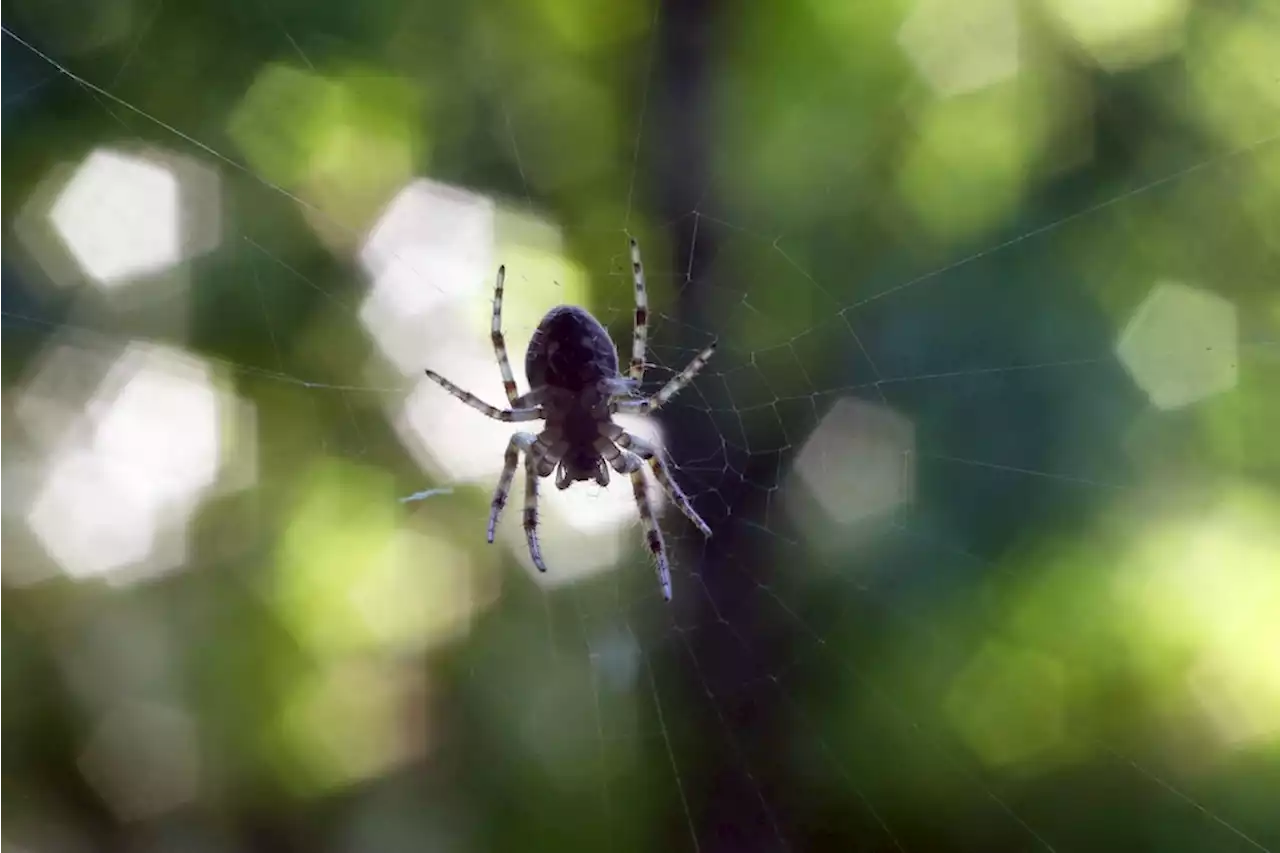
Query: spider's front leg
{"x":666,"y":392}
{"x":500,"y":343}
{"x":531,"y":412}
{"x":517,"y":401}
{"x":640,"y":331}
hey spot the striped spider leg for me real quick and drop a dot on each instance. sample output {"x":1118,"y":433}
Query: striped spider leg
{"x":648,"y":405}
{"x":536,"y":450}
{"x":660,"y":467}
{"x":639,"y":343}
{"x":640,"y":330}
{"x":630,"y":464}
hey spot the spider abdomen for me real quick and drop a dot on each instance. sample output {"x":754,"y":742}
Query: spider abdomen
{"x":570,"y":350}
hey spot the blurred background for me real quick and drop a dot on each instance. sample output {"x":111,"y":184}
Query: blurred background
{"x":989,"y":446}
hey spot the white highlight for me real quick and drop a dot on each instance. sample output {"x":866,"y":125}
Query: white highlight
{"x":124,"y":482}
{"x":119,"y":217}
{"x":431,"y":246}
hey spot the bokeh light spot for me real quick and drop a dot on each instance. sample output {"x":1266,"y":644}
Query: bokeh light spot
{"x":1007,"y":704}
{"x":119,"y":217}
{"x":1199,"y":596}
{"x":858,"y":464}
{"x":432,"y":245}
{"x":345,"y":141}
{"x":968,"y":165}
{"x":143,"y":760}
{"x":1232,"y":65}
{"x":349,"y":579}
{"x":123,"y":484}
{"x":1180,"y":346}
{"x":349,"y":721}
{"x":1120,"y":35}
{"x":962,"y":47}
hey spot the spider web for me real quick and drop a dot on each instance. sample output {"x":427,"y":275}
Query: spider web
{"x":816,"y":681}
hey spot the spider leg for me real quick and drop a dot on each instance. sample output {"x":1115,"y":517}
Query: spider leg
{"x":618,"y":461}
{"x":658,"y":465}
{"x":530,"y":413}
{"x":499,"y":342}
{"x":552,"y":450}
{"x":640,"y":332}
{"x":677,"y":382}
{"x":531,"y":511}
{"x":652,"y":534}
{"x":540,"y":458}
{"x":520,"y":441}
{"x":626,"y":462}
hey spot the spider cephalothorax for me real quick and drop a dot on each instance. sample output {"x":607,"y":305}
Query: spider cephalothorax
{"x":572,"y":366}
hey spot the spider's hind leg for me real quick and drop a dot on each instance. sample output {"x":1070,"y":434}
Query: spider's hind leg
{"x":528,"y":442}
{"x":662,"y":473}
{"x":652,"y":533}
{"x":626,"y":462}
{"x":531,"y":512}
{"x":537,"y":453}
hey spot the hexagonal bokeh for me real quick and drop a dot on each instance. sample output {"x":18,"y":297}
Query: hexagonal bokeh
{"x":1201,"y":588}
{"x":432,"y":245}
{"x":1180,"y":346}
{"x":1008,"y":704}
{"x":858,"y":465}
{"x":962,"y":47}
{"x":1122,"y":35}
{"x":340,"y":141}
{"x":143,"y":760}
{"x":120,"y":216}
{"x":347,"y":577}
{"x":354,"y":720}
{"x":131,"y":464}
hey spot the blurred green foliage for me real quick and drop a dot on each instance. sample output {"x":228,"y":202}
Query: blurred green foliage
{"x":1067,"y":640}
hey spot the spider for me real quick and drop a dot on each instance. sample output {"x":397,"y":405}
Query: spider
{"x":572,"y":366}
